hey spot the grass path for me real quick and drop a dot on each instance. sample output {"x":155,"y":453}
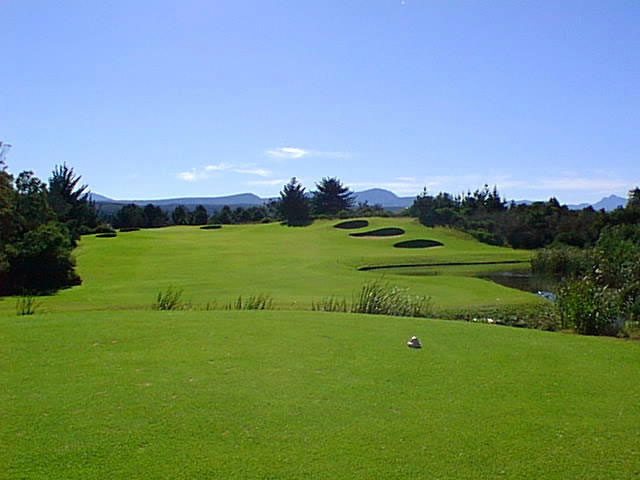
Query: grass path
{"x":292,"y":395}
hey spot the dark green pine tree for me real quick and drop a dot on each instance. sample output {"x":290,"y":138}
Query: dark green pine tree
{"x":331,"y":197}
{"x":71,"y":201}
{"x":294,"y":204}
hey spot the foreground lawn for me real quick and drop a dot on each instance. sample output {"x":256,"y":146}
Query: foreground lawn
{"x":292,"y":395}
{"x":295,"y":265}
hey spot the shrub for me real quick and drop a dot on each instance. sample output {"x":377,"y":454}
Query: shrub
{"x":170,"y":299}
{"x":104,"y":228}
{"x":561,"y":262}
{"x":253,"y":302}
{"x":590,"y":308}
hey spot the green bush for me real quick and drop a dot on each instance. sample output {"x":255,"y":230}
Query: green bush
{"x":104,"y":228}
{"x":590,"y":308}
{"x":562,"y":262}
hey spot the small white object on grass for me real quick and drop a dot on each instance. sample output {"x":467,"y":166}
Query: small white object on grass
{"x":414,"y":342}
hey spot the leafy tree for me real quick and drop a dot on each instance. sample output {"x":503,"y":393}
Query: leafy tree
{"x":71,"y":202}
{"x":294,"y":204}
{"x":180,"y":215}
{"x":331,"y":197}
{"x":41,"y":260}
{"x":130,"y":215}
{"x":154,"y":216}
{"x":35,"y":248}
{"x":200,"y":216}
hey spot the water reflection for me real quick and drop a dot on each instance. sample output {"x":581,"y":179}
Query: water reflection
{"x":523,"y":280}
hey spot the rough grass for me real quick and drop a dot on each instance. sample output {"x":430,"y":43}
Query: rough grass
{"x":291,"y":395}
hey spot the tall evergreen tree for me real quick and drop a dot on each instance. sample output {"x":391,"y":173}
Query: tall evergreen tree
{"x":70,"y":201}
{"x":294,"y":204}
{"x":180,"y":215}
{"x":200,"y":215}
{"x":331,"y":197}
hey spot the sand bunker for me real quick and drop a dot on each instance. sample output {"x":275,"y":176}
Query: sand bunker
{"x":420,"y":243}
{"x":352,"y":224}
{"x":381,"y":232}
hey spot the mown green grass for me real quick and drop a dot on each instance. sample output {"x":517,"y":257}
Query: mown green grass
{"x":297,"y":395}
{"x":294,"y":265}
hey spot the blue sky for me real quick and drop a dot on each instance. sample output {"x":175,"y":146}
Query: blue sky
{"x":155,"y":99}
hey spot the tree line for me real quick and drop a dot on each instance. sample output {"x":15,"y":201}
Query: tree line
{"x":40,"y":224}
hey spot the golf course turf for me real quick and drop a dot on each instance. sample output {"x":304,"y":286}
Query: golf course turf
{"x":98,"y":385}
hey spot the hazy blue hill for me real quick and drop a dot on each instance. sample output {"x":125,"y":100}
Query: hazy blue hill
{"x":383,"y":197}
{"x":372,"y":196}
{"x":610,"y":203}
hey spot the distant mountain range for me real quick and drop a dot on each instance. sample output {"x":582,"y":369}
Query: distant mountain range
{"x":372,"y":196}
{"x":607,"y":203}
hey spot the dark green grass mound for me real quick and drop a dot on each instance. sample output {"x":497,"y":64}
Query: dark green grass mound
{"x":420,"y":243}
{"x":129,"y":229}
{"x":259,"y":395}
{"x":210,"y":227}
{"x":380,"y":232}
{"x":107,"y":235}
{"x":351,"y":224}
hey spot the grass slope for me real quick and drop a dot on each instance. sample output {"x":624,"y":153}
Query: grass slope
{"x":294,"y":265}
{"x":291,"y":395}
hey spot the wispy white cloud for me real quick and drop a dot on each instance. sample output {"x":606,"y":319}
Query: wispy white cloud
{"x":207,"y":171}
{"x":191,"y":175}
{"x":295,"y":152}
{"x":261,"y":172}
{"x":218,"y":167}
{"x":287,"y":152}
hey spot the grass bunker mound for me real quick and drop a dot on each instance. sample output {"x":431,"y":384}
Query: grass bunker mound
{"x":352,"y":224}
{"x":107,"y":235}
{"x":381,"y":232}
{"x":210,"y":227}
{"x":129,"y":229}
{"x":420,"y":243}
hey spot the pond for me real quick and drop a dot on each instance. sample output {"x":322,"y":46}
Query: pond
{"x":522,"y":280}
